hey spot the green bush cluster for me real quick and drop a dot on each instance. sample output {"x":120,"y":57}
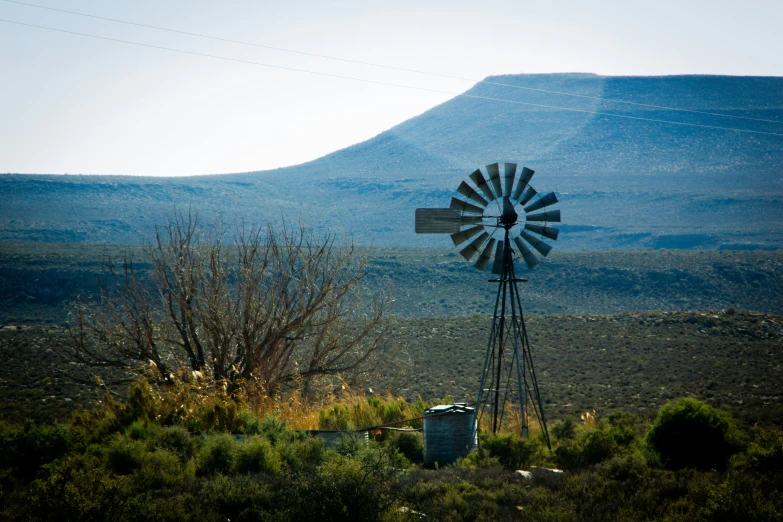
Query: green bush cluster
{"x":164,"y":473}
{"x":133,"y":462}
{"x":577,"y":447}
{"x":373,"y":411}
{"x":691,"y":433}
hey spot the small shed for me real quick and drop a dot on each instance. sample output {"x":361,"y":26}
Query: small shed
{"x":449,"y":433}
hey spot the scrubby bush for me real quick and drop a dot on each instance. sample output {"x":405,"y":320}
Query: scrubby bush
{"x":410,"y":444}
{"x":765,"y":453}
{"x":160,"y":469}
{"x":217,"y":454}
{"x":178,"y":440}
{"x":577,"y":446}
{"x":302,"y":453}
{"x":565,"y":429}
{"x":345,"y":488}
{"x":256,"y":455}
{"x":124,"y":455}
{"x":373,"y":411}
{"x":141,"y":467}
{"x":274,"y":429}
{"x":598,"y":445}
{"x":24,"y":449}
{"x":691,"y":433}
{"x":511,"y":451}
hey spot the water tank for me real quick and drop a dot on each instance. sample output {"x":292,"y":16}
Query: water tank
{"x":448,"y":433}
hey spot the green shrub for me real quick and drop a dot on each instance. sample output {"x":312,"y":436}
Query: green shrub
{"x":274,"y":429}
{"x":345,"y":488}
{"x":597,"y":446}
{"x":373,"y":411}
{"x":630,"y":468}
{"x":160,"y":469}
{"x":565,"y":429}
{"x":77,"y":487}
{"x":257,"y":455}
{"x":690,"y":433}
{"x":238,"y":498}
{"x":511,"y":450}
{"x":24,"y":449}
{"x":410,"y":444}
{"x":217,"y":454}
{"x":139,"y":405}
{"x":217,"y":414}
{"x":765,"y":453}
{"x":138,"y":430}
{"x":178,"y":440}
{"x":124,"y":454}
{"x":249,"y":423}
{"x":577,"y":447}
{"x":624,"y":428}
{"x":302,"y":453}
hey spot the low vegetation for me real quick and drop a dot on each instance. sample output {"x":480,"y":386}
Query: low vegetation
{"x":654,"y":415}
{"x":633,"y":362}
{"x":38,"y":280}
{"x":148,"y":459}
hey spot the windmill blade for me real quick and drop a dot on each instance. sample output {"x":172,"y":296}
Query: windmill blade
{"x":460,"y":237}
{"x":478,"y":178}
{"x":528,"y":195}
{"x":536,"y":243}
{"x":511,"y":172}
{"x":467,"y":191}
{"x":437,"y":220}
{"x":543,"y":201}
{"x":472,"y":249}
{"x":552,"y":216}
{"x":485,"y":256}
{"x":524,"y":179}
{"x":497,"y":266}
{"x":494,"y":178}
{"x":464,"y":206}
{"x":529,"y":257}
{"x":545,"y":231}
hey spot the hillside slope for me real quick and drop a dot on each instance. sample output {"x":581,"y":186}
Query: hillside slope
{"x":622,"y":182}
{"x":39,"y":280}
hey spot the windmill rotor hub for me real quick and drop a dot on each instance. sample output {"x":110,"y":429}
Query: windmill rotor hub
{"x":510,"y":216}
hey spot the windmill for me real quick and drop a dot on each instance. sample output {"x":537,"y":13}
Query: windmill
{"x":499,"y":217}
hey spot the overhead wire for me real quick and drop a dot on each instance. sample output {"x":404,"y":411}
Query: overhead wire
{"x":389,"y":67}
{"x":390,"y":84}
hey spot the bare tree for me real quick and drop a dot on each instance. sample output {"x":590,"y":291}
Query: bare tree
{"x":271,"y":306}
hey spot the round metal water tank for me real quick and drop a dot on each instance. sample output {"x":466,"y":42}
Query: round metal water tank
{"x":448,"y":433}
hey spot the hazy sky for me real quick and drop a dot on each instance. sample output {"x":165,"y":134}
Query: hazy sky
{"x":72,"y":104}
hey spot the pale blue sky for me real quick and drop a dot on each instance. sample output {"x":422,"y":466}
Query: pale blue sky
{"x":80,"y":105}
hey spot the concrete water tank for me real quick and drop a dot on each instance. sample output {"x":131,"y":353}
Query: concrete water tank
{"x":448,"y":433}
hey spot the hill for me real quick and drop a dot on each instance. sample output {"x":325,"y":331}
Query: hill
{"x":623,"y":182}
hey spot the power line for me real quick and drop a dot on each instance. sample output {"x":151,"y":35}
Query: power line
{"x":390,"y":67}
{"x":377,"y":82}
